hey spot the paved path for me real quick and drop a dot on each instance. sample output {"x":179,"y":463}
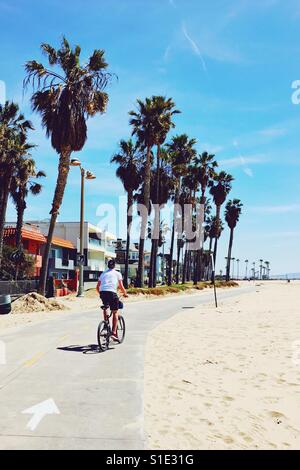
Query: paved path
{"x":99,"y":396}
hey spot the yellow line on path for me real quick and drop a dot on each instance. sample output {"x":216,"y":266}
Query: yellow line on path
{"x":63,"y":338}
{"x":34,"y":359}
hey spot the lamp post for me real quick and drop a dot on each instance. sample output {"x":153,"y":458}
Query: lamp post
{"x":85,"y":175}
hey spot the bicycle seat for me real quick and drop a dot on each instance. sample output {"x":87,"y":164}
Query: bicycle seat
{"x":104,"y":307}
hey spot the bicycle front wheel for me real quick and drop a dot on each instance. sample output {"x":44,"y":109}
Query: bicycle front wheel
{"x":121,"y":329}
{"x":103,"y":336}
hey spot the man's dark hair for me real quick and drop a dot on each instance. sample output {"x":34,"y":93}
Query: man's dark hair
{"x":111,"y":264}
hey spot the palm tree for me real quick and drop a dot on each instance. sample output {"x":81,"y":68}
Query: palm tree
{"x":267,"y":263}
{"x":214,"y":229}
{"x":24,"y":183}
{"x":220,"y":191}
{"x":166,"y":187}
{"x":129,"y":159}
{"x":232,"y":214}
{"x":207,"y":172}
{"x":65,"y":96}
{"x":150,"y":123}
{"x":182,"y":151}
{"x":165,"y":109}
{"x":238,"y":268}
{"x":260,"y":268}
{"x":246,"y":270}
{"x":13,"y":145}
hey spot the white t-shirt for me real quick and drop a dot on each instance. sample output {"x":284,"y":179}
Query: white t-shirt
{"x":110,"y":280}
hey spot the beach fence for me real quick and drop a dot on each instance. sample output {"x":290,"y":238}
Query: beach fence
{"x":16,"y":288}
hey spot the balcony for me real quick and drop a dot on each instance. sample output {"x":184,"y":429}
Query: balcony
{"x":59,"y":263}
{"x":96,"y":244}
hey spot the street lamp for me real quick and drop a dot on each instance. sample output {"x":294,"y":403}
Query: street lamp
{"x":85,"y":175}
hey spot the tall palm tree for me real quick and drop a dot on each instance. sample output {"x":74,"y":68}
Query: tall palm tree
{"x":165,"y":108}
{"x":129,"y":158}
{"x":181,"y":150}
{"x":246,"y":269}
{"x":23,"y":183}
{"x":150,"y":124}
{"x":214,"y":229}
{"x":160,"y":198}
{"x":261,"y":268}
{"x":13,"y":145}
{"x":207,"y":171}
{"x":232,"y":214}
{"x":65,"y":96}
{"x":219,"y":191}
{"x":267,"y":263}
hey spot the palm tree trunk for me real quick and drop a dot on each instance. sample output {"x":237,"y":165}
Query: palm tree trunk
{"x":185,"y":266}
{"x":3,"y":209}
{"x":178,"y":260}
{"x":218,"y":234}
{"x":21,"y":206}
{"x":151,"y":271}
{"x":170,"y":270}
{"x":210,"y":248}
{"x":229,"y":255}
{"x":141,"y":266}
{"x":157,"y":219}
{"x":129,"y":222}
{"x":62,"y":178}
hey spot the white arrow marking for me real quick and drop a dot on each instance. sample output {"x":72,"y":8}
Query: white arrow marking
{"x":39,"y":412}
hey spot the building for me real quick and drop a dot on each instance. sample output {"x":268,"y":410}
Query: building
{"x":120,"y":248}
{"x":32,"y":241}
{"x":62,"y":259}
{"x":98,"y":246}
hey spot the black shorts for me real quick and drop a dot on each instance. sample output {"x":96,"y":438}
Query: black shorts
{"x":110,"y":299}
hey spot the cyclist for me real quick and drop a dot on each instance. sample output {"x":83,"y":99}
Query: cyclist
{"x":109,"y":283}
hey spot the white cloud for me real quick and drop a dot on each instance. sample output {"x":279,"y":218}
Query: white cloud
{"x":194,"y":46}
{"x":273,"y":132}
{"x":243,"y":161}
{"x":248,"y":172}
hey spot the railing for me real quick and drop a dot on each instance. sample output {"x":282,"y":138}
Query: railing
{"x":96,"y":242}
{"x":59,"y":263}
{"x":17,"y":287}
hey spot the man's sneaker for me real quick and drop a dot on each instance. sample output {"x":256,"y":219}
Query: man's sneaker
{"x":115,"y":338}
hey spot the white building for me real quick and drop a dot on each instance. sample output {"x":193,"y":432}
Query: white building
{"x":98,"y":245}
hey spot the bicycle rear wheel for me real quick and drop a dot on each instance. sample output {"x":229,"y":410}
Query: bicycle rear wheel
{"x":103,"y":336}
{"x":121,"y":329}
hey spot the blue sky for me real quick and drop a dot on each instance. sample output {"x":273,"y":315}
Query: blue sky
{"x":229,"y":66}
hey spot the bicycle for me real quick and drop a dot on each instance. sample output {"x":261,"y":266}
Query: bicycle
{"x":105,"y":330}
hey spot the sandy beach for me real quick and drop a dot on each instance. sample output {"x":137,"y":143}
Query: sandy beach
{"x":227,"y":378}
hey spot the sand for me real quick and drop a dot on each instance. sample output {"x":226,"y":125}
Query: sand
{"x":31,"y":303}
{"x":227,"y":378}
